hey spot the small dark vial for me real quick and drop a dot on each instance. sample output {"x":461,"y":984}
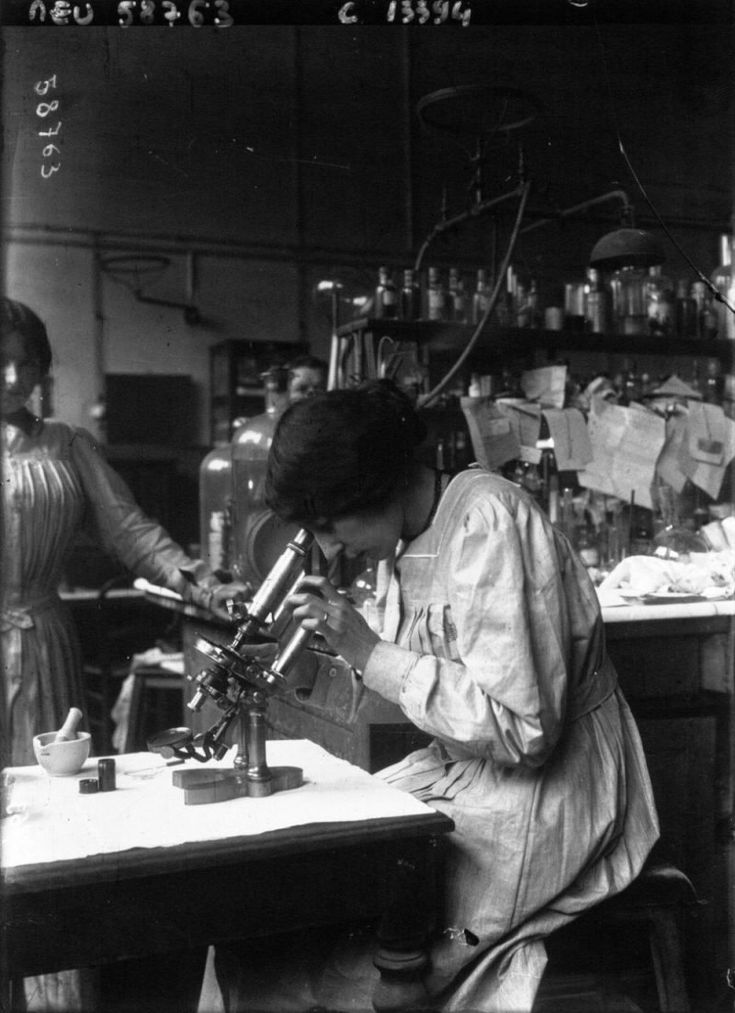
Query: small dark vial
{"x":106,"y":772}
{"x":88,"y":786}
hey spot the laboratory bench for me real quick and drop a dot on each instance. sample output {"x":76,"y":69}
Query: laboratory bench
{"x":95,"y":879}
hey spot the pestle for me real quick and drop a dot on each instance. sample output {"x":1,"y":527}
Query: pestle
{"x":69,"y":728}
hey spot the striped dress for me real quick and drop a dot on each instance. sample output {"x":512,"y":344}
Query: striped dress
{"x":54,"y":480}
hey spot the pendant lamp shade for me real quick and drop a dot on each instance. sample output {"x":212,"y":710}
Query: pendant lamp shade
{"x":626,"y":248}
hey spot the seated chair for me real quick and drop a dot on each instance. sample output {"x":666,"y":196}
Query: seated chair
{"x":637,"y":931}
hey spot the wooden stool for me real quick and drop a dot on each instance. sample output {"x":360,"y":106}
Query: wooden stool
{"x":587,"y":950}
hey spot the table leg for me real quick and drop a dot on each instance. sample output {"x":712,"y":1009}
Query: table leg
{"x":402,"y":956}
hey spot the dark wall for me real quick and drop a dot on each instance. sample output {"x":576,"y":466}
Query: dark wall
{"x":308,"y":138}
{"x":281,"y":155}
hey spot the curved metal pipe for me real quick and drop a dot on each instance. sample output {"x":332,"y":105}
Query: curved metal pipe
{"x":450,"y":223}
{"x":620,"y":195}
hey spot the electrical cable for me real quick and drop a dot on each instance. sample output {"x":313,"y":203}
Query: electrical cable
{"x":714,"y":291}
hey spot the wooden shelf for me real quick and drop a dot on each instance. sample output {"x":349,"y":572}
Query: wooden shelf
{"x":441,"y":336}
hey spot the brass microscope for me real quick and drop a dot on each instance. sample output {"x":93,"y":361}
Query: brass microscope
{"x":241,"y":686}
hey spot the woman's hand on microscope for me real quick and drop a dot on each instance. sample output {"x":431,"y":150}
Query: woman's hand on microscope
{"x":319,"y":606}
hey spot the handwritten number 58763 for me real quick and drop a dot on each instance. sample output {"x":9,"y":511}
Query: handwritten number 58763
{"x":50,"y":151}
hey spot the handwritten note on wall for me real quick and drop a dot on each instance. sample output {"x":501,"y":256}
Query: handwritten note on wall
{"x":626,"y":443}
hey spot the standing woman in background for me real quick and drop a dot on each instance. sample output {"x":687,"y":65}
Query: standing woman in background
{"x":54,"y":480}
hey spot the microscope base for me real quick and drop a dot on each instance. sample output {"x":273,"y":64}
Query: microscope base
{"x":204,"y":786}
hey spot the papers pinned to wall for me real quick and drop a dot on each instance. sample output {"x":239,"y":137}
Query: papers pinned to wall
{"x":546,"y":385}
{"x":572,"y":444}
{"x":493,"y":439}
{"x":626,"y":443}
{"x":707,"y":448}
{"x":524,"y":418}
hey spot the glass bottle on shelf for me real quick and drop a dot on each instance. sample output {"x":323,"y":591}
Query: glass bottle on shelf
{"x":505,"y":306}
{"x":713,"y":382}
{"x":215,"y":508}
{"x":457,"y":298}
{"x":696,"y":382}
{"x":686,"y":311}
{"x":526,"y":305}
{"x":585,"y":537}
{"x":614,"y":551}
{"x":386,"y":296}
{"x":631,"y":382}
{"x":641,"y":530}
{"x":706,"y":315}
{"x":534,"y":310}
{"x":629,"y":299}
{"x":597,"y":304}
{"x":659,"y":302}
{"x":575,"y":293}
{"x":410,"y":296}
{"x":722,"y":279}
{"x":549,"y":479}
{"x":436,"y":296}
{"x":566,"y":513}
{"x":480,"y":297}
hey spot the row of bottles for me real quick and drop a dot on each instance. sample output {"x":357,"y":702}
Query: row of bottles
{"x":596,"y":525}
{"x":707,"y":381}
{"x":625,"y":385}
{"x":638,"y":301}
{"x":631,"y":300}
{"x":648,"y":302}
{"x":453,"y":297}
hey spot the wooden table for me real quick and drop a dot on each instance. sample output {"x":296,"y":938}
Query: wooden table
{"x":89,"y":909}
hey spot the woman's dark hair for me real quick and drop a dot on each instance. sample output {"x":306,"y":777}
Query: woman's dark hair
{"x":16,"y":317}
{"x":342,"y":452}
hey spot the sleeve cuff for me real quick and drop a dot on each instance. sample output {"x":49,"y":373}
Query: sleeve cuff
{"x":387,"y":669}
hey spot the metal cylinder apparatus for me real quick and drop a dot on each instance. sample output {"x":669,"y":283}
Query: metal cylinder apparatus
{"x":275,"y":587}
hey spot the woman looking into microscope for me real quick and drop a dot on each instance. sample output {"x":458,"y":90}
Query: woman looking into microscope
{"x":486,"y":632}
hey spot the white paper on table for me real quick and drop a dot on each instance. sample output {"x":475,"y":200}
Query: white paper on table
{"x":146,"y":810}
